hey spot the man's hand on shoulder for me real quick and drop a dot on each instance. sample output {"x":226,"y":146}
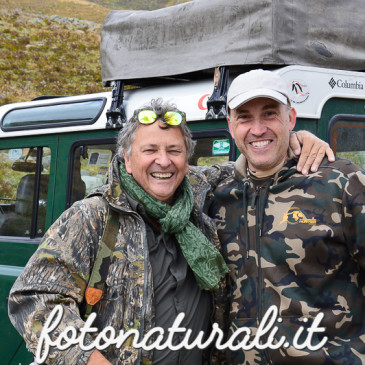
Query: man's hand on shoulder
{"x":311,"y":151}
{"x":97,"y":358}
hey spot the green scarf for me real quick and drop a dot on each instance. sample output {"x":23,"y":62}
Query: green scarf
{"x":203,"y":258}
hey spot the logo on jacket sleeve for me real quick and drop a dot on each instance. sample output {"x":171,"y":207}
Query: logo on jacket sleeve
{"x":295,"y":216}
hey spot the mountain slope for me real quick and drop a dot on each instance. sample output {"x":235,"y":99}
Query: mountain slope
{"x":47,"y":55}
{"x":80,"y":9}
{"x":52,"y":47}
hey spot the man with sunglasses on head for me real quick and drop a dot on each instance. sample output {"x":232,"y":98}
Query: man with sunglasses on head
{"x":166,"y":257}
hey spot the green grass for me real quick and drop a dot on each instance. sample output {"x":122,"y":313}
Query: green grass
{"x":81,"y":9}
{"x":42,"y":56}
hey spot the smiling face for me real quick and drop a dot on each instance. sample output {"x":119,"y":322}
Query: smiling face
{"x":158,"y":160}
{"x":261,"y":129}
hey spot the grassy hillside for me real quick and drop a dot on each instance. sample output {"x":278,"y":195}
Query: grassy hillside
{"x":42,"y":55}
{"x":80,"y":9}
{"x":52,"y":47}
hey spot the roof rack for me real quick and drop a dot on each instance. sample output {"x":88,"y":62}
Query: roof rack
{"x":115,"y":115}
{"x":216,"y":104}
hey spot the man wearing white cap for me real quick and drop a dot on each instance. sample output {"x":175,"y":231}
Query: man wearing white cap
{"x":295,"y":244}
{"x":262,"y":93}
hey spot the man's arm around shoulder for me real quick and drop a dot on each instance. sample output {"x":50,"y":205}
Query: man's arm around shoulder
{"x":213,"y":174}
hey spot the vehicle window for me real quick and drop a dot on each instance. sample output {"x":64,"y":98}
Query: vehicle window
{"x":213,"y":146}
{"x":53,"y":115}
{"x":90,"y":168}
{"x":346,"y":134}
{"x":24,"y":175}
{"x":211,"y":150}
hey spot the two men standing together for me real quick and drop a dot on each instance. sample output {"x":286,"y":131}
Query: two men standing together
{"x":289,"y":240}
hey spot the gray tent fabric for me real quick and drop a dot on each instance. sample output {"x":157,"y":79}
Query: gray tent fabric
{"x":204,"y":34}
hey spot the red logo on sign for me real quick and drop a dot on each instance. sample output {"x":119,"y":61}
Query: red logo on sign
{"x":202,"y":103}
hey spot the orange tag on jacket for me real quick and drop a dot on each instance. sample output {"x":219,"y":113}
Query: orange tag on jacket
{"x":93,"y":295}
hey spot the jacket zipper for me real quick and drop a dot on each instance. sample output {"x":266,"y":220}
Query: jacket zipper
{"x":255,"y":204}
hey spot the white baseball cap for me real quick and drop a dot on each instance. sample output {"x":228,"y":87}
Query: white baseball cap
{"x":257,"y":84}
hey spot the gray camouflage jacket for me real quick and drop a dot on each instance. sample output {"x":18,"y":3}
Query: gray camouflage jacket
{"x":297,"y":242}
{"x":59,"y":271}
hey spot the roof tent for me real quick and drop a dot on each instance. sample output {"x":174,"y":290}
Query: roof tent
{"x":200,"y":35}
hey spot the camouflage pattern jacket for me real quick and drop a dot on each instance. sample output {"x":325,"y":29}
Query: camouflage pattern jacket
{"x":59,"y":271}
{"x":298,"y":243}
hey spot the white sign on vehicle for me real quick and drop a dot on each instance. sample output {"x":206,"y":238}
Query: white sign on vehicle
{"x":15,"y":154}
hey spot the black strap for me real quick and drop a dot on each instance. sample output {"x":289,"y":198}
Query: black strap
{"x":95,"y":287}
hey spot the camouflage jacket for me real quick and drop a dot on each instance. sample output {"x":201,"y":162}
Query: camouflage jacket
{"x":59,"y":271}
{"x":298,"y":243}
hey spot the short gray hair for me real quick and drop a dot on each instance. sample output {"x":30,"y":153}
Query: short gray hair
{"x":128,"y":133}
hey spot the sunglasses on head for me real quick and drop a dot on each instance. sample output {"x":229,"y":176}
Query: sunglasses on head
{"x":147,"y":116}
